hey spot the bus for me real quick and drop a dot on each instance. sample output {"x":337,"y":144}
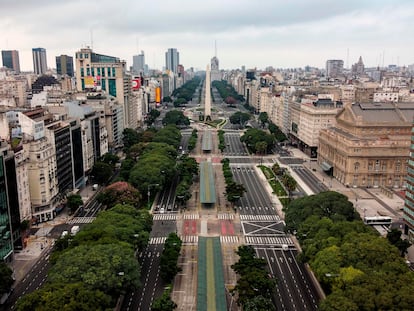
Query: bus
{"x":377,"y":220}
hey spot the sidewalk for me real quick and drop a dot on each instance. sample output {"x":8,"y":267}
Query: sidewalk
{"x":365,"y":203}
{"x":40,"y":241}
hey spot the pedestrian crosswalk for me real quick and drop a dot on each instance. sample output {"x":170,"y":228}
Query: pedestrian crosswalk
{"x":225,"y":216}
{"x":165,"y":217}
{"x":271,"y":240}
{"x":80,"y":220}
{"x":157,"y":240}
{"x":259,"y":217}
{"x":191,"y":216}
{"x":229,"y":239}
{"x":189,"y":239}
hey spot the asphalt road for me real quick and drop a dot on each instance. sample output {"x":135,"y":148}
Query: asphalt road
{"x":263,"y":229}
{"x":34,"y":279}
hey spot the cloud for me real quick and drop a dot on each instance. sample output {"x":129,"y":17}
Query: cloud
{"x":248,"y":32}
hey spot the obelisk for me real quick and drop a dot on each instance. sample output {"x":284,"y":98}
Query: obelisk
{"x":207,"y":100}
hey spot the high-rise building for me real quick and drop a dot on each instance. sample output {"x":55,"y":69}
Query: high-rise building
{"x":172,"y":59}
{"x":409,"y":192}
{"x":334,"y":67}
{"x":64,"y":65}
{"x":215,"y":71}
{"x":11,"y":60}
{"x":6,"y":245}
{"x":358,"y":68}
{"x":138,"y":64}
{"x":39,"y":61}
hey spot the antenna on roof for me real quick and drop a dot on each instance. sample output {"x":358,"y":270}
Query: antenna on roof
{"x":215,"y":48}
{"x":347,"y":58}
{"x":137,"y":45}
{"x":91,"y":39}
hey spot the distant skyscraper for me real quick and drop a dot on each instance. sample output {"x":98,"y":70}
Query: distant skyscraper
{"x":172,"y":59}
{"x":64,"y":65}
{"x":138,"y":64}
{"x":334,"y":67}
{"x":358,"y":68}
{"x":11,"y":60}
{"x":39,"y":61}
{"x":215,"y":71}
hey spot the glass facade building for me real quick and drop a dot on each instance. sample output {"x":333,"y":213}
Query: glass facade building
{"x":6,"y":244}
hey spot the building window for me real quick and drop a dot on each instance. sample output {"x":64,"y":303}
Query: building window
{"x":377,"y":165}
{"x":398,"y":166}
{"x":82,"y":72}
{"x":356,"y":166}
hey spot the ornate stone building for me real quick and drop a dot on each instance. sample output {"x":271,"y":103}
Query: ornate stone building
{"x":369,"y":146}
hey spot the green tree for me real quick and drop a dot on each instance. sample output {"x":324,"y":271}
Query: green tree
{"x":234,"y":191}
{"x":175,"y":117}
{"x":74,"y":201}
{"x":152,"y":116}
{"x":169,"y":257}
{"x":170,"y":135}
{"x":167,"y":99}
{"x":110,"y":268}
{"x":329,"y":204}
{"x":276,"y":132}
{"x":239,"y":118}
{"x":261,"y":147}
{"x":130,"y":137}
{"x":263,"y":118}
{"x":6,"y":278}
{"x":252,"y":136}
{"x":276,"y":169}
{"x":164,"y":303}
{"x":338,"y":302}
{"x":289,"y":182}
{"x":101,"y":172}
{"x":70,"y":297}
{"x":253,"y":278}
{"x":126,"y":167}
{"x":121,"y":223}
{"x":259,"y":303}
{"x":110,"y":159}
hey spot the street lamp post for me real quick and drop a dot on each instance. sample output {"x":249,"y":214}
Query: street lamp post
{"x":149,"y":192}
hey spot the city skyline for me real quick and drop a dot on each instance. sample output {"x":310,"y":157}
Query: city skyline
{"x":273,"y":33}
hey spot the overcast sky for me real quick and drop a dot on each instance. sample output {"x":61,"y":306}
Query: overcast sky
{"x":282,"y":34}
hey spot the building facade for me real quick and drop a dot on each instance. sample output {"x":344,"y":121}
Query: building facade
{"x":369,"y":146}
{"x":172,"y":59}
{"x":334,"y":68}
{"x":64,"y":65}
{"x":39,"y":61}
{"x":11,"y":60}
{"x":138,"y":64}
{"x":409,"y":192}
{"x":6,"y":242}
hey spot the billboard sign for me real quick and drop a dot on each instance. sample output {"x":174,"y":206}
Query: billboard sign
{"x":136,"y":84}
{"x":158,"y":95}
